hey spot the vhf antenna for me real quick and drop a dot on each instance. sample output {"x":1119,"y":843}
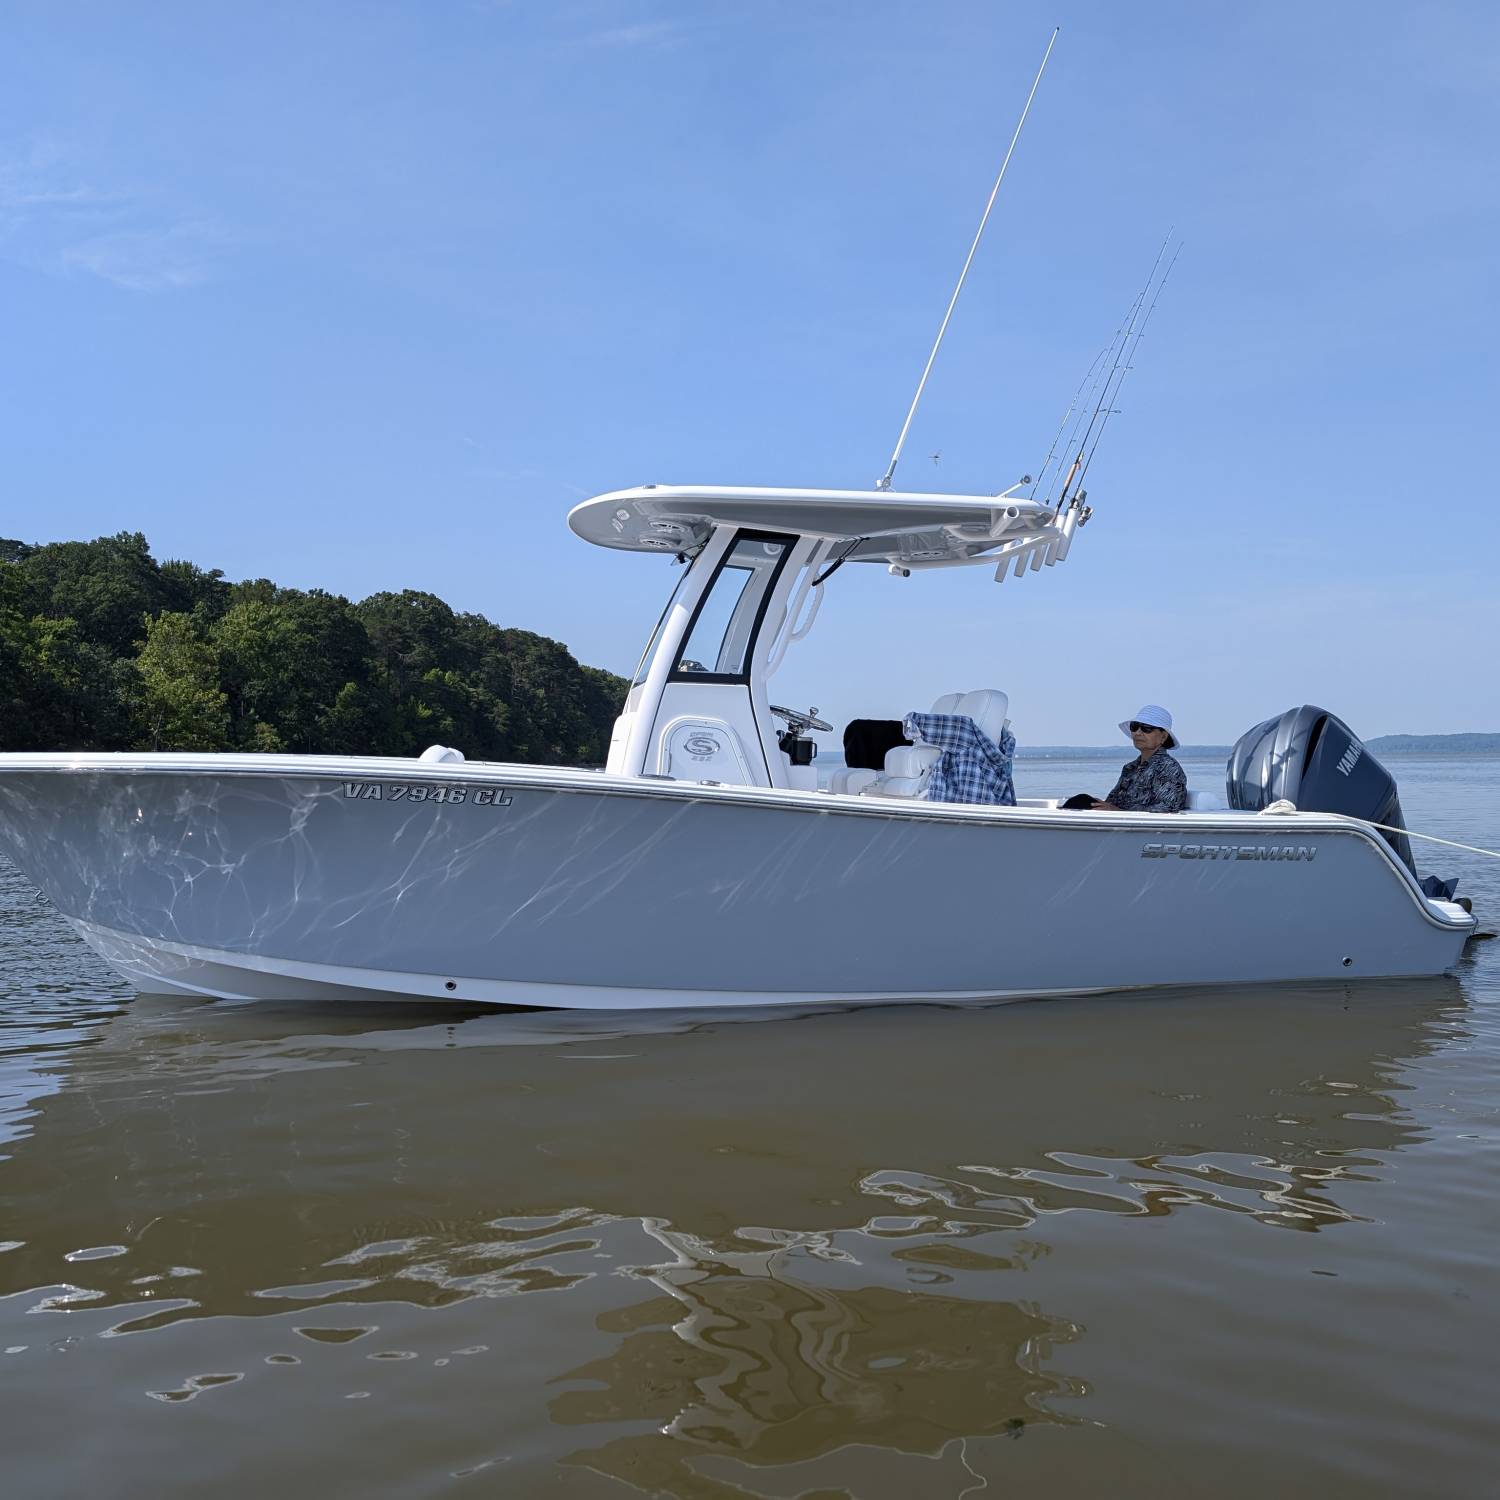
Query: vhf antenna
{"x":884,"y":482}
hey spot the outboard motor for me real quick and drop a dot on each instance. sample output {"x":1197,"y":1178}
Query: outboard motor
{"x":1314,"y":760}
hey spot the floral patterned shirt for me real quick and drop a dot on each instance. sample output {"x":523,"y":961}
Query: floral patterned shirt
{"x":1157,"y":785}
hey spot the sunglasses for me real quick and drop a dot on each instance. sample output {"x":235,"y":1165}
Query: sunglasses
{"x":1136,"y":727}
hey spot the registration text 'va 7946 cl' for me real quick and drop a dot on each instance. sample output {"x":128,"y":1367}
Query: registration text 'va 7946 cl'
{"x":406,"y":791}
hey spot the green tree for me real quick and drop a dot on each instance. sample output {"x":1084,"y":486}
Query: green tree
{"x":14,"y":713}
{"x":101,"y":647}
{"x":410,"y":633}
{"x":284,"y":658}
{"x":108,"y":585}
{"x":188,"y":588}
{"x":358,"y":722}
{"x":565,"y":715}
{"x":181,"y":706}
{"x":76,"y":694}
{"x":253,"y":646}
{"x":603,"y":698}
{"x":265,"y":741}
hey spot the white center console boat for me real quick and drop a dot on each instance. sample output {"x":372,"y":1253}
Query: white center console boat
{"x":703,"y":865}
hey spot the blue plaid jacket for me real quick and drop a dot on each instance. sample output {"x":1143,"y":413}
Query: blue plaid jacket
{"x":972,"y":768}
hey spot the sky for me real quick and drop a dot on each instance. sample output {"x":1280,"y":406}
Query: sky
{"x":365,"y":296}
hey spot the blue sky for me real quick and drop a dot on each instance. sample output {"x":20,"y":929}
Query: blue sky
{"x":365,"y":296}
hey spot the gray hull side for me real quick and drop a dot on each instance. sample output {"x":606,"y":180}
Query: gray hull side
{"x":594,"y":894}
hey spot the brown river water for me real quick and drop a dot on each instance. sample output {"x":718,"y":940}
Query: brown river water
{"x":1228,"y":1243}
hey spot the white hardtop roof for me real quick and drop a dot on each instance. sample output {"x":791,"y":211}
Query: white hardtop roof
{"x":885,"y":525}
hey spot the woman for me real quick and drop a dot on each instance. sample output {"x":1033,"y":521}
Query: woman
{"x":1153,"y":781}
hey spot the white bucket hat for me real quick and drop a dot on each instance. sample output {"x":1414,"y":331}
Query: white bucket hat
{"x":1156,"y":716}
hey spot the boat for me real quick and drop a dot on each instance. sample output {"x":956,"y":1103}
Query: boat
{"x":705,"y":864}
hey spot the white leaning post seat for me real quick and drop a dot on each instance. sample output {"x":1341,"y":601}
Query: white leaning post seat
{"x":1204,"y":802}
{"x":853,"y":781}
{"x":909,"y":767}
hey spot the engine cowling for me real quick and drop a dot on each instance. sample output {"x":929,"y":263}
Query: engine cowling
{"x":1313,"y":759}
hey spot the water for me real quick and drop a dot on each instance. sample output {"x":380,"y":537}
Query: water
{"x":1222,"y":1244}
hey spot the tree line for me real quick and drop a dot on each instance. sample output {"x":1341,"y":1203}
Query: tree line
{"x":102,"y":647}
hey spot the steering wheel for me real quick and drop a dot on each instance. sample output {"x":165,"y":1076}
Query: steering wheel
{"x":798,"y":719}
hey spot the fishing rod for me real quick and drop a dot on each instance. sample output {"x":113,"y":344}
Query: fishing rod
{"x":1109,"y":381}
{"x":884,"y":483}
{"x":1103,"y":366}
{"x":1141,"y":333}
{"x":1067,"y":417}
{"x":1100,"y":380}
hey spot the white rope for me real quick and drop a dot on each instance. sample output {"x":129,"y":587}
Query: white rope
{"x":1430,"y":838}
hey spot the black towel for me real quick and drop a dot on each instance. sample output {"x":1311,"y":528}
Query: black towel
{"x":867,"y":740}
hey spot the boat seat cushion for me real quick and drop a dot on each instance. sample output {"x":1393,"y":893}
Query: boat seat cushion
{"x":987,"y":707}
{"x":906,"y":771}
{"x":866,"y":742}
{"x":907,"y":761}
{"x":897,"y":786}
{"x":908,"y":767}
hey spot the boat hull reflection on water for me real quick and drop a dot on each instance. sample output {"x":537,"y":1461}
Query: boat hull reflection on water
{"x":656,"y":1248}
{"x":283,"y":876}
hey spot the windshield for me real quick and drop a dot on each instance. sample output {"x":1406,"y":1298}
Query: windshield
{"x":723,"y":629}
{"x":644,"y":665}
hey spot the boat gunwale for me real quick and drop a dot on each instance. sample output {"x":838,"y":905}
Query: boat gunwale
{"x":786,"y":799}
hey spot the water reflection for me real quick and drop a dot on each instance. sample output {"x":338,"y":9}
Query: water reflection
{"x":41,"y":1014}
{"x":708,"y":1248}
{"x":742,"y":1357}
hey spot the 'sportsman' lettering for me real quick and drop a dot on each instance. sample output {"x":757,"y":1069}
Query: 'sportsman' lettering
{"x":1295,"y":852}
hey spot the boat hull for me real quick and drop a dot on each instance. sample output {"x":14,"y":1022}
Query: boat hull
{"x":282,"y":877}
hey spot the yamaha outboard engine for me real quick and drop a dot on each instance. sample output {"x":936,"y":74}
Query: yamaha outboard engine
{"x":1314,"y":760}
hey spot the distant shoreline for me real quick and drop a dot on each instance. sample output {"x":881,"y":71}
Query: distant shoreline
{"x":1115,"y":752}
{"x":1393,"y":746}
{"x":1381,"y":744}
